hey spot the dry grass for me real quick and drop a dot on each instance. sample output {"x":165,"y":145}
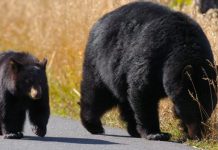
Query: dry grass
{"x":59,"y":29}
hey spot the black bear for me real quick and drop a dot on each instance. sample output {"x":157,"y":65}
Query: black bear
{"x":140,"y":53}
{"x":23,"y":87}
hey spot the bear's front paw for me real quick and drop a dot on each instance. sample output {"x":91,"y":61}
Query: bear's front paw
{"x":159,"y":136}
{"x":17,"y":135}
{"x":39,"y":131}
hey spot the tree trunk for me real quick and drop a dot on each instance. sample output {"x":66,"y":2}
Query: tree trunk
{"x":205,"y":5}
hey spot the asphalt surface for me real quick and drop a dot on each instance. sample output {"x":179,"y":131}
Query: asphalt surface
{"x":66,"y":134}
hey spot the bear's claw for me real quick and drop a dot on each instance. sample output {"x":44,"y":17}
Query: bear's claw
{"x":39,"y":131}
{"x":159,"y":136}
{"x":17,"y":135}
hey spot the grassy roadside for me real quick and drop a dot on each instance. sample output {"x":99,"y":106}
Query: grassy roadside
{"x":58,"y":30}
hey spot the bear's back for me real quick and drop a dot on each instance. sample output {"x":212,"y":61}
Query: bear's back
{"x":128,"y":18}
{"x":147,"y":25}
{"x":21,"y":57}
{"x":139,"y":11}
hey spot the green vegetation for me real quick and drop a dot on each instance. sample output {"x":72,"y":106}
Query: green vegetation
{"x":180,"y":3}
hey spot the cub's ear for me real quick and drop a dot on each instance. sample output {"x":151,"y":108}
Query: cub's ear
{"x":16,"y":65}
{"x":187,"y":71}
{"x":43,"y":63}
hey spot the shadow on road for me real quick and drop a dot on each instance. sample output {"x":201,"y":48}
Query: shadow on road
{"x":113,"y":135}
{"x":69,"y":140}
{"x":179,"y":141}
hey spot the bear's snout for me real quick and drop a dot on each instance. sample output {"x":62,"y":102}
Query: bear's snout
{"x":194,"y":131}
{"x":35,"y":93}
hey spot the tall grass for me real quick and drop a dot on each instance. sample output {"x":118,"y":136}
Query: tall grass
{"x":58,"y":30}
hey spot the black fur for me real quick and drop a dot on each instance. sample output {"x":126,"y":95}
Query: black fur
{"x":19,"y":73}
{"x":138,"y":54}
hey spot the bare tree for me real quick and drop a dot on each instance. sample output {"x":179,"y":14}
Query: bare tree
{"x":205,"y":5}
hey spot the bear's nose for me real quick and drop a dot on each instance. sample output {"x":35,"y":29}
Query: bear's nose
{"x":194,"y":131}
{"x":35,"y":93}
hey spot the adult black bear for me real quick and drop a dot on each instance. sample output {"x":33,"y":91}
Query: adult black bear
{"x":140,"y":53}
{"x":23,"y":86}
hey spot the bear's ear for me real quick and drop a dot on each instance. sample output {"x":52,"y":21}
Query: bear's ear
{"x":43,"y":63}
{"x":187,"y":71}
{"x":16,"y":65}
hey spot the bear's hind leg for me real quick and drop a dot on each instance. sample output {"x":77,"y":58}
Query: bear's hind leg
{"x":95,"y":101}
{"x":93,"y":106}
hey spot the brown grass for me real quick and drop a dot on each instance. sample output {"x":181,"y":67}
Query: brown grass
{"x":59,"y":29}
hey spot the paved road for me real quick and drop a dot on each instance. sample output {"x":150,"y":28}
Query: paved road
{"x":66,"y":134}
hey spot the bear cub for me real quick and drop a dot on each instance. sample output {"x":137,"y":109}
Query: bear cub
{"x":23,"y":88}
{"x":143,"y":52}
